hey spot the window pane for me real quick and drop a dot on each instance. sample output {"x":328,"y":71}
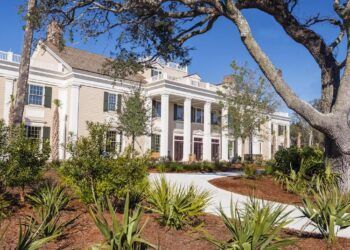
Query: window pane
{"x":112,"y":100}
{"x":33,"y":132}
{"x":156,"y":109}
{"x":199,"y":116}
{"x":155,"y":143}
{"x":111,"y":141}
{"x":35,"y":95}
{"x":179,"y":113}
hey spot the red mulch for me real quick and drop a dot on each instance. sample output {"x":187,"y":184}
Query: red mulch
{"x":84,"y":233}
{"x":263,"y":187}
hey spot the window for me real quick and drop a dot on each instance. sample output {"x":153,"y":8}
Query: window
{"x":215,"y":145}
{"x":197,"y":115}
{"x":178,"y":113}
{"x":281,"y":130}
{"x":215,"y":119}
{"x":156,"y":109}
{"x":33,"y":132}
{"x":272,"y":128}
{"x":156,"y":72}
{"x":114,"y":141}
{"x":112,"y":102}
{"x":155,"y":143}
{"x":36,"y":94}
{"x":111,"y":141}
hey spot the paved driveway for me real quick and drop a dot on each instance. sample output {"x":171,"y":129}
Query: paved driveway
{"x":223,"y":197}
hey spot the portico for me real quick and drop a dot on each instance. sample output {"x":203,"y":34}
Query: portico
{"x":189,"y":128}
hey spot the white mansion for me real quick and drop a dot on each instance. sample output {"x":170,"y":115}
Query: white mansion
{"x":186,"y":110}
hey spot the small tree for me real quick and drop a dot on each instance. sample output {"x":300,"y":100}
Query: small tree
{"x":25,"y":159}
{"x":248,"y":101}
{"x":55,"y":131}
{"x":134,"y":117}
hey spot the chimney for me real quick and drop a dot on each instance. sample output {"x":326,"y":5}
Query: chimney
{"x":54,"y":33}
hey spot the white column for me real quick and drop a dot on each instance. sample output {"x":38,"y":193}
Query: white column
{"x":74,"y":109}
{"x":207,"y":132}
{"x":63,"y":98}
{"x":288,"y":135}
{"x":269,"y":141}
{"x":164,"y":120}
{"x":149,"y":113}
{"x":224,"y":135}
{"x":187,"y":130}
{"x":7,"y":99}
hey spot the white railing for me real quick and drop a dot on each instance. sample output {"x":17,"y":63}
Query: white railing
{"x":9,"y":56}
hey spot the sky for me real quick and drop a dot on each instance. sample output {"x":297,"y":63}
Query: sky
{"x":214,"y":51}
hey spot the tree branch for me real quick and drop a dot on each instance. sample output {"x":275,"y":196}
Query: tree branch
{"x":314,"y":117}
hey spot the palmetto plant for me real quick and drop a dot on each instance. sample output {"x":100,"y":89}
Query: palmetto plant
{"x":256,"y":225}
{"x":48,"y":203}
{"x":120,"y":236}
{"x":327,"y":211}
{"x":50,"y":196}
{"x":176,"y":205}
{"x":30,"y":237}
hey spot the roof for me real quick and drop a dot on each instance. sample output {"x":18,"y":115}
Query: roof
{"x":86,"y":61}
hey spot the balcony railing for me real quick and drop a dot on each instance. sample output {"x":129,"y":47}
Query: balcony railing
{"x":9,"y":57}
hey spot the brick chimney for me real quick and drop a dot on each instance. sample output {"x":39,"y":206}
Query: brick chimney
{"x":54,"y":33}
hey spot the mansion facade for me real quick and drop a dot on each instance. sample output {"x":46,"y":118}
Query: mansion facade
{"x":186,"y":122}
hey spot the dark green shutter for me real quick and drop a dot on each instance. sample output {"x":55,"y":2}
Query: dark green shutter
{"x":120,"y":141}
{"x":27,"y":95}
{"x":153,"y":145}
{"x":48,"y":97}
{"x":193,"y":114}
{"x":119,"y":104}
{"x":175,"y":112}
{"x":105,"y":101}
{"x":46,"y":134}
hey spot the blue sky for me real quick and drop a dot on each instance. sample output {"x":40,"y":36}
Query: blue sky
{"x":215,"y":50}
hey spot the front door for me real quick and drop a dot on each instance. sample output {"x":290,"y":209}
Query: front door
{"x":198,"y":148}
{"x":178,"y":148}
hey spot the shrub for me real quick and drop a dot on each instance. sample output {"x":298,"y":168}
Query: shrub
{"x":30,"y":238}
{"x":250,"y":170}
{"x":327,"y":211}
{"x":4,"y":206}
{"x":255,"y":226}
{"x":50,"y":196}
{"x":125,"y":235}
{"x":291,"y":159}
{"x":25,"y":159}
{"x":48,"y":202}
{"x":176,"y":205}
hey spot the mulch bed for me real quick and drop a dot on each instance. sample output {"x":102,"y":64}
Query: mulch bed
{"x":84,"y":233}
{"x":262,"y":187}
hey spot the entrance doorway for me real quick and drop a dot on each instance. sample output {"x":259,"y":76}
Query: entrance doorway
{"x":178,"y":148}
{"x":215,"y":143}
{"x":198,"y":148}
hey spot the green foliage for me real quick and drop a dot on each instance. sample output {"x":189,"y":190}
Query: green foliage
{"x":176,"y":206}
{"x":205,"y":166}
{"x":248,"y":100}
{"x":250,"y":170}
{"x":48,"y":203}
{"x":327,"y":211}
{"x":30,"y":237}
{"x":125,"y":235}
{"x":91,"y":172}
{"x":288,"y":159}
{"x":255,"y":226}
{"x":25,"y":159}
{"x":50,"y":196}
{"x":134,"y":119}
{"x":4,"y":206}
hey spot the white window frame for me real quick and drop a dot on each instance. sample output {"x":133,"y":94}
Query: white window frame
{"x":42,"y":98}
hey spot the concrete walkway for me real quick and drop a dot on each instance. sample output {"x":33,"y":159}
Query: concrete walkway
{"x":220,"y":196}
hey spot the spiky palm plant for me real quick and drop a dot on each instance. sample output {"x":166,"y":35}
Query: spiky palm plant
{"x":120,"y":236}
{"x":256,"y":225}
{"x":176,"y":205}
{"x":327,"y":211}
{"x":55,"y":131}
{"x":30,"y":237}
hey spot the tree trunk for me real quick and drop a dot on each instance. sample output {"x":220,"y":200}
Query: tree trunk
{"x":299,"y":140}
{"x":22,"y":84}
{"x":55,"y":134}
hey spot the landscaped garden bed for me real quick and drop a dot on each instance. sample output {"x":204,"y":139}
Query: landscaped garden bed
{"x":263,"y":187}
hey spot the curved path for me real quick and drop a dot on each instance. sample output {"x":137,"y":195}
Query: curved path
{"x":223,"y":197}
